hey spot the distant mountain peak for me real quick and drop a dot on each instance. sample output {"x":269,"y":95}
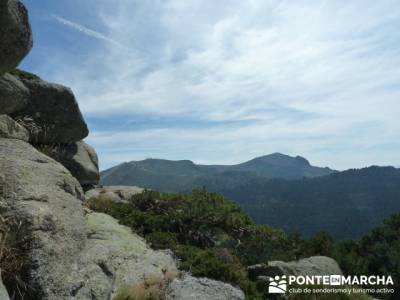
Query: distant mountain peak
{"x":302,"y":159}
{"x":275,"y":155}
{"x":279,"y":159}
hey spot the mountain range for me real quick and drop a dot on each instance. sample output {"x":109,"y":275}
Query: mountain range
{"x":282,"y":191}
{"x":183,"y":175}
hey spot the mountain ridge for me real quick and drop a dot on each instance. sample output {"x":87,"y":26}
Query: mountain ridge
{"x":275,"y":165}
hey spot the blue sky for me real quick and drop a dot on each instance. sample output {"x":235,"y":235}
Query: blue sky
{"x":226,"y":81}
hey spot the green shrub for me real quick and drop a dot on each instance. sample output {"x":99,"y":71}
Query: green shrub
{"x":376,"y":253}
{"x":213,"y":263}
{"x":320,"y":244}
{"x":162,"y":240}
{"x":209,"y":234}
{"x":101,"y":204}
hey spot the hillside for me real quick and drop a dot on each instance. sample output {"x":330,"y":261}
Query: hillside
{"x":213,"y":237}
{"x":183,"y":175}
{"x":346,"y":204}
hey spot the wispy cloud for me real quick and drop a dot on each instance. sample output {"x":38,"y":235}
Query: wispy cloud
{"x":85,"y":30}
{"x":315,"y":78}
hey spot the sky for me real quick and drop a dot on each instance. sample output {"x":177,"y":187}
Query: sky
{"x":226,"y":81}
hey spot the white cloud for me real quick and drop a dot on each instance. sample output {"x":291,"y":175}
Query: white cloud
{"x":310,"y":75}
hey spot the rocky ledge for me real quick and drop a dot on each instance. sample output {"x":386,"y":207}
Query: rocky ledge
{"x":63,"y":250}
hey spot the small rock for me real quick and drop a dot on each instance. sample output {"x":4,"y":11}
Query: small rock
{"x":264,"y":279}
{"x":255,"y":271}
{"x":15,"y":34}
{"x":314,"y":265}
{"x":115,"y":193}
{"x":191,"y":288}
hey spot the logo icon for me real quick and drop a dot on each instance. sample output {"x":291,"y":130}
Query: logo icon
{"x":277,"y":285}
{"x":335,"y":280}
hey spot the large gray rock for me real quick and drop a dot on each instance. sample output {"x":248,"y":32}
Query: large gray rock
{"x":46,"y":199}
{"x":314,"y":265}
{"x":117,"y":259}
{"x":12,"y":130}
{"x":70,"y":255}
{"x":15,"y":34}
{"x":54,"y":111}
{"x":14,"y":95}
{"x":191,"y":288}
{"x":115,"y":193}
{"x":80,"y":159}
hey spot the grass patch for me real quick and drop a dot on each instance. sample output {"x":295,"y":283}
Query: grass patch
{"x":12,"y":255}
{"x":152,"y":288}
{"x":23,"y":74}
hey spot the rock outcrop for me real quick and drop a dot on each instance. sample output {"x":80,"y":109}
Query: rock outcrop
{"x":80,"y":159}
{"x":191,"y":288}
{"x":15,"y":34}
{"x":54,"y":111}
{"x":12,"y":130}
{"x":14,"y":95}
{"x":115,"y":193}
{"x":46,"y":199}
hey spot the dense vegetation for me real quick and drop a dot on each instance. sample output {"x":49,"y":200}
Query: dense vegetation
{"x":377,"y":253}
{"x":212,"y":237}
{"x":346,"y":204}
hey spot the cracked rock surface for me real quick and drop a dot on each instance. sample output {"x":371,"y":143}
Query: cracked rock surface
{"x":12,"y":130}
{"x":72,"y":254}
{"x":46,"y":199}
{"x":116,"y":258}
